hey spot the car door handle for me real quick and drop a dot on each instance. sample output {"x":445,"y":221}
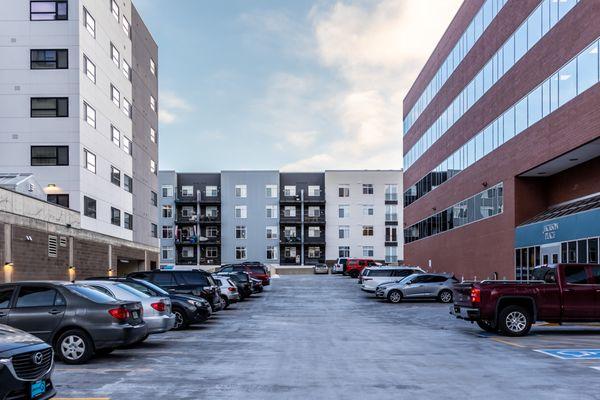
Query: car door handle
{"x":54,"y":312}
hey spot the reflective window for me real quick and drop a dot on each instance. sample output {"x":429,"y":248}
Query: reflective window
{"x":567,"y":88}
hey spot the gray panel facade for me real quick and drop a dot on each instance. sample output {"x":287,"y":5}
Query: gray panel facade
{"x":166,"y":216}
{"x":256,"y":222}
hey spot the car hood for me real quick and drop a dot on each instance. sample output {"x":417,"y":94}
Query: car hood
{"x":11,"y":338}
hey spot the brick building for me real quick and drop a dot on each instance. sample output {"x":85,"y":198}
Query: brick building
{"x":502,"y":141}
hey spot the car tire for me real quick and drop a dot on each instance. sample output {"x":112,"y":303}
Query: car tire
{"x":395,"y":296}
{"x":353,"y":274}
{"x":181,"y":321}
{"x":488,"y":326}
{"x":445,"y":296}
{"x":74,"y":347}
{"x":514,"y":321}
{"x":226,"y":301}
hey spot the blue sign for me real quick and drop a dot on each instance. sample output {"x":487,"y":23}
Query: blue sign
{"x":573,"y":354}
{"x":570,"y":227}
{"x":163,"y":266}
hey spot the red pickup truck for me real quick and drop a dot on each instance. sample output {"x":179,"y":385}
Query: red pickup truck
{"x":560,"y":293}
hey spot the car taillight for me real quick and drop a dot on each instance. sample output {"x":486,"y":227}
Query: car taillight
{"x":160,"y":306}
{"x":119,"y":313}
{"x":475,"y":295}
{"x":232,"y":289}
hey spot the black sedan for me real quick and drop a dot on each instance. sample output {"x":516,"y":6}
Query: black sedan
{"x":26,"y":365}
{"x":78,"y":320}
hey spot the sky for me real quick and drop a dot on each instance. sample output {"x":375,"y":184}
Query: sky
{"x":293,"y":85}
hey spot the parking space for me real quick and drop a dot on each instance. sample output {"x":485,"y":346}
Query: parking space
{"x":322,"y":337}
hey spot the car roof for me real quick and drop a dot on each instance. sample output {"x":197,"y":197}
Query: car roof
{"x":387,"y":267}
{"x":37,"y":282}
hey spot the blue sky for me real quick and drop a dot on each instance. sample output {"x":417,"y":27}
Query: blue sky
{"x":295,"y":85}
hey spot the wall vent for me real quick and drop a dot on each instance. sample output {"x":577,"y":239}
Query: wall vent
{"x":63,"y":241}
{"x":52,"y":246}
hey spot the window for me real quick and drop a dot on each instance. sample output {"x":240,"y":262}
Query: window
{"x":271,"y":191}
{"x":127,"y":145}
{"x":271,"y":253}
{"x":272,"y":232}
{"x":153,"y":103}
{"x":90,"y":161}
{"x":368,"y":251}
{"x":57,"y":10}
{"x":115,"y":95}
{"x":368,"y":209}
{"x":289,"y":252}
{"x":593,"y":251}
{"x":271,"y":211}
{"x":391,"y":192}
{"x":240,"y":253}
{"x":343,"y":251}
{"x":126,"y":107}
{"x":391,"y":234}
{"x":391,"y":213}
{"x":391,"y":254}
{"x":212,"y":231}
{"x":167,"y":191}
{"x":167,"y":253}
{"x":153,"y":230}
{"x":152,"y":135}
{"x":38,"y":296}
{"x":128,"y":222}
{"x":115,"y":176}
{"x":115,"y":55}
{"x":127,"y":183}
{"x":367,"y":230}
{"x":49,"y":156}
{"x":167,"y":211}
{"x":152,"y":67}
{"x":89,"y":68}
{"x":126,"y":27}
{"x":344,"y":211}
{"x":314,"y":232}
{"x":576,"y":275}
{"x":89,"y":22}
{"x":314,"y":212}
{"x":367,"y":188}
{"x":89,"y":115}
{"x":240,"y":232}
{"x":314,"y":252}
{"x":567,"y":85}
{"x":116,"y":136}
{"x":59,"y":199}
{"x":344,"y":191}
{"x":115,"y":216}
{"x":289,"y":211}
{"x":153,"y":198}
{"x":212,"y":252}
{"x":126,"y":68}
{"x":167,"y":232}
{"x":314,"y":191}
{"x":241,"y":212}
{"x":89,"y":207}
{"x":114,"y":9}
{"x":587,"y":68}
{"x":49,"y":107}
{"x":289,"y":191}
{"x":212,"y":191}
{"x":289,"y":232}
{"x":344,"y":231}
{"x":153,"y":166}
{"x":49,"y":59}
{"x":241,"y":191}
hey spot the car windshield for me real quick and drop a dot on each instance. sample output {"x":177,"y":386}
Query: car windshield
{"x":257,"y":269}
{"x":90,"y":293}
{"x":408,"y":278}
{"x":133,"y":291}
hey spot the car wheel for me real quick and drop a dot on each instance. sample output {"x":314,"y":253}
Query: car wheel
{"x":181,"y":321}
{"x":353,"y":274}
{"x":514,"y":321}
{"x":488,"y":326}
{"x":74,"y":347}
{"x":226,"y":301}
{"x":445,"y":296}
{"x":395,"y":296}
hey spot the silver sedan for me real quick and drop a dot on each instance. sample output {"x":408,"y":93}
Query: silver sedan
{"x":419,"y":286}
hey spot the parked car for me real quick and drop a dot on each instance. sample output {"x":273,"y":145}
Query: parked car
{"x":321,"y":269}
{"x":256,"y":284}
{"x":157,"y":309}
{"x":371,"y":277}
{"x":242,"y":282}
{"x":194,"y":282}
{"x":254,"y":269}
{"x":229,"y":291}
{"x":26,"y":365}
{"x":339,"y":266}
{"x":75,"y":319}
{"x":560,"y":293}
{"x":419,"y":286}
{"x":187,"y":309}
{"x":354,"y":266}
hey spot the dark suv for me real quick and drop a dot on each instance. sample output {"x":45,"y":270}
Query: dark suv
{"x":26,"y":365}
{"x":195,"y":282}
{"x":75,"y":319}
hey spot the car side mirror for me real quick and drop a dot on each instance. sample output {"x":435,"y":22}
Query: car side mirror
{"x":408,"y":283}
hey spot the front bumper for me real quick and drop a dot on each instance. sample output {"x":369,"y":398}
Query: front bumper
{"x":160,"y":324}
{"x":369,"y":289}
{"x":466,"y":313}
{"x":11,"y":387}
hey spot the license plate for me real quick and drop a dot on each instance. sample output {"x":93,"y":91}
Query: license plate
{"x":457,"y":309}
{"x":135,"y":314}
{"x":38,"y":388}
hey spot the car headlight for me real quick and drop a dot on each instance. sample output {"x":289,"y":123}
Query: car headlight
{"x":3,"y":362}
{"x":195,"y":303}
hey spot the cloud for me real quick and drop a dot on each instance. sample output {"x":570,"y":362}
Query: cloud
{"x":172,"y":107}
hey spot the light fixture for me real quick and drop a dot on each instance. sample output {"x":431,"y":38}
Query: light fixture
{"x":484,"y":184}
{"x":8,"y":270}
{"x":573,"y":159}
{"x":52,"y":185}
{"x":541,"y":173}
{"x":72,"y":273}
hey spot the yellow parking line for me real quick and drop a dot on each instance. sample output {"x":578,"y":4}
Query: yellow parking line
{"x":507,"y":342}
{"x":82,"y":398}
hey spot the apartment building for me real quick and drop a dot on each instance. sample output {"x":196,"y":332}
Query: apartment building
{"x":274,"y":217}
{"x":78,"y":110}
{"x":502,"y":141}
{"x":364,"y":217}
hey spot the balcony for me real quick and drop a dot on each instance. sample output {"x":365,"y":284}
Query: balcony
{"x":314,"y":219}
{"x":315,"y":239}
{"x":187,"y":240}
{"x":210,"y":219}
{"x":292,"y":240}
{"x":283,"y":218}
{"x":186,"y":219}
{"x":210,"y":241}
{"x":186,"y":199}
{"x":210,"y":197}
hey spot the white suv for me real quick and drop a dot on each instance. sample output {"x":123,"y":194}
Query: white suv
{"x":339,"y":265}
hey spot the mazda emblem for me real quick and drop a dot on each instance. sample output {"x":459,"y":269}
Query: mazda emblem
{"x":38,"y":358}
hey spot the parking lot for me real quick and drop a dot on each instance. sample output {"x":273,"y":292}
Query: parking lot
{"x":309,"y":337}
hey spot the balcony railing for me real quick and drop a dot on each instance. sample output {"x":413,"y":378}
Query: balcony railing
{"x":187,"y":240}
{"x":290,"y":239}
{"x":184,"y":219}
{"x":210,"y":218}
{"x":315,"y":239}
